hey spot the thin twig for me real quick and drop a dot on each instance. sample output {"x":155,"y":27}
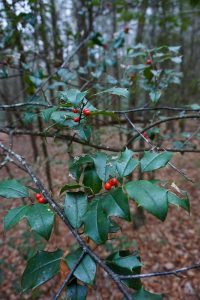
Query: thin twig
{"x":66,"y":137}
{"x":21,"y":105}
{"x":165,"y":273}
{"x":160,"y":122}
{"x":141,"y":109}
{"x":67,"y":279}
{"x":154,"y":148}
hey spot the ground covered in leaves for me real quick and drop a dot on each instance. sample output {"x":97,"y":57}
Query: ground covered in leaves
{"x":162,"y":246}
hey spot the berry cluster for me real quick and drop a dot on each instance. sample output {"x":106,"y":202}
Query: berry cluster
{"x":86,"y":113}
{"x":40,"y":198}
{"x":112,"y":182}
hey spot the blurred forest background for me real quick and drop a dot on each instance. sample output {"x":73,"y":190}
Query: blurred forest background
{"x":37,"y":36}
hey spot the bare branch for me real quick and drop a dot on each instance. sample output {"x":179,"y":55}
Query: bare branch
{"x":21,"y":105}
{"x":66,"y":137}
{"x":160,"y":122}
{"x":154,"y":148}
{"x":141,"y":109}
{"x":165,"y":273}
{"x":67,"y":279}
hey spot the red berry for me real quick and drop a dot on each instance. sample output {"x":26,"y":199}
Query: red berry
{"x":107,"y":186}
{"x":145,"y":135}
{"x":41,"y":200}
{"x":75,"y":110}
{"x":113,"y":182}
{"x":86,"y":112}
{"x":37,"y":196}
{"x":76,"y":119}
{"x":148,"y":61}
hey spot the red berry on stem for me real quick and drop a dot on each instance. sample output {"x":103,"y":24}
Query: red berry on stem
{"x":145,"y":135}
{"x":107,"y":186}
{"x":75,"y":110}
{"x":86,"y":112}
{"x":113,"y":182}
{"x":148,"y":61}
{"x":76,"y":119}
{"x":41,"y":200}
{"x":37,"y":196}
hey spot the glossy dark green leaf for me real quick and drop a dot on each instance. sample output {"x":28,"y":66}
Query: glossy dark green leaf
{"x":115,"y":203}
{"x":73,"y":96}
{"x":46,"y":113}
{"x":96,"y":222}
{"x":145,"y":295}
{"x":14,"y":216}
{"x":86,"y":270}
{"x":149,"y":196}
{"x":100,"y":165}
{"x":76,"y":166}
{"x":92,"y":180}
{"x":76,"y":291}
{"x":11,"y":188}
{"x":152,"y":161}
{"x":118,"y":91}
{"x":126,"y":164}
{"x":29,"y":118}
{"x":75,"y":207}
{"x":70,"y":186}
{"x":177,"y":59}
{"x":105,"y":166}
{"x":63,"y":118}
{"x":85,"y":132}
{"x":155,"y":95}
{"x":175,"y":200}
{"x":41,"y":268}
{"x":126,"y":263}
{"x":41,"y":218}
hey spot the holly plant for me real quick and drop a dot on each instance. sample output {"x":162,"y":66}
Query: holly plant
{"x":101,"y":185}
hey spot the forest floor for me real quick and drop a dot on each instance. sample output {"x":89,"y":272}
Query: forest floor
{"x":162,"y":246}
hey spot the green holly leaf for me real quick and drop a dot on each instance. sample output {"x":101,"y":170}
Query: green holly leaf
{"x":46,"y":113}
{"x":63,"y":118}
{"x":86,"y":270}
{"x":70,"y":186}
{"x":14,"y":216}
{"x":125,"y":263}
{"x":155,"y":95}
{"x":85,"y":132}
{"x":76,"y":291}
{"x":152,"y":161}
{"x":92,"y":180}
{"x":145,"y":295}
{"x":72,"y":96}
{"x":41,"y":218}
{"x":118,"y":91}
{"x":115,"y":203}
{"x":75,"y":207}
{"x":175,"y":200}
{"x":96,"y":222}
{"x":126,"y":164}
{"x":41,"y":268}
{"x":149,"y":196}
{"x":105,"y":166}
{"x":11,"y":188}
